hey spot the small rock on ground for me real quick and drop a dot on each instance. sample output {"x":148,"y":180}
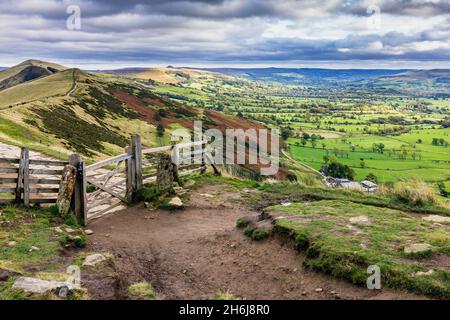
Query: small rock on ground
{"x":436,"y":218}
{"x":88,"y":232}
{"x":418,"y":248}
{"x":176,"y":202}
{"x":12,"y":244}
{"x":361,"y":220}
{"x":33,"y":285}
{"x":93,"y":260}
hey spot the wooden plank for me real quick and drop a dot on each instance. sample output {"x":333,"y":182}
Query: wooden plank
{"x":156,"y":150}
{"x":106,"y":162}
{"x":8,"y":189}
{"x":109,"y":190}
{"x":146,"y":176}
{"x":9,"y":160}
{"x":49,"y":162}
{"x":188,"y":172}
{"x":45,"y":171}
{"x":8,"y":180}
{"x":128,"y":174}
{"x":44,"y":190}
{"x":19,"y":186}
{"x":103,"y":212}
{"x":39,"y":200}
{"x":6,"y":201}
{"x":26,"y":177}
{"x":9,"y":170}
{"x":44,"y":181}
{"x":137,"y":153}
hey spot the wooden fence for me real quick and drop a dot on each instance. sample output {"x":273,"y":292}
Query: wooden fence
{"x":29,"y":181}
{"x":100,"y":188}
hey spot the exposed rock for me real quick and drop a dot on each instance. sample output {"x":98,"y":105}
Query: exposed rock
{"x":361,"y":220}
{"x":421,"y":273}
{"x":167,"y":173}
{"x":247,"y":220}
{"x":319,"y":290}
{"x":176,"y":202}
{"x":286,"y":204}
{"x":93,"y":260}
{"x":147,"y":205}
{"x":12,"y":244}
{"x":33,"y":248}
{"x":206,"y":195}
{"x":32,"y":285}
{"x":437,"y":219}
{"x":265,"y":225}
{"x":69,"y":230}
{"x":88,"y":232}
{"x":66,"y":188}
{"x":59,"y":230}
{"x":418,"y":248}
{"x":6,"y":274}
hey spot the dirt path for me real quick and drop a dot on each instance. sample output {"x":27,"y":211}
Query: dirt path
{"x":197,"y":252}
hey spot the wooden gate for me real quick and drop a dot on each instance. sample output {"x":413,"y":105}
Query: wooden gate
{"x":109,"y":185}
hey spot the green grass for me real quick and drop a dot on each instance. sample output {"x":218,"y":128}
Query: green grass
{"x":224,"y":296}
{"x":321,"y":228}
{"x":299,"y":192}
{"x":142,"y":290}
{"x":54,"y":85}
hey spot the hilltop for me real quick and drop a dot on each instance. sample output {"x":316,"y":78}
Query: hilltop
{"x":27,"y":71}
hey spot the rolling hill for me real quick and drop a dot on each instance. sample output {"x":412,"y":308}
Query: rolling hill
{"x":27,"y":71}
{"x":94,"y":114}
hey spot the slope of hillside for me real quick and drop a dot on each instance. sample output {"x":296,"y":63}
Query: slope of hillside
{"x":27,"y":71}
{"x":56,"y":84}
{"x":98,"y":117}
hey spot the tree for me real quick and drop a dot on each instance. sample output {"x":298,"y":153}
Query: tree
{"x":362,"y":164}
{"x":339,"y":170}
{"x":157,"y":117}
{"x":160,"y":130}
{"x":442,"y":190}
{"x":371,"y":177}
{"x":303,"y":142}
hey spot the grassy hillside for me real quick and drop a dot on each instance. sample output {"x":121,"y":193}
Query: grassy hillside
{"x":95,"y":114}
{"x":27,"y":71}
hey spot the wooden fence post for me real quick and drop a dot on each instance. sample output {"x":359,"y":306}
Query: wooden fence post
{"x":136,"y":147}
{"x":26,"y":177}
{"x":129,"y":173}
{"x":79,"y":194}
{"x":19,"y":186}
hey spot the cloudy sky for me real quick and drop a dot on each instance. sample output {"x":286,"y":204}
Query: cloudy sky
{"x":294,"y":33}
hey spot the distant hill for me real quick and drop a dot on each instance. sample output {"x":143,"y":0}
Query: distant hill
{"x":27,"y":71}
{"x":168,"y":75}
{"x":306,"y":75}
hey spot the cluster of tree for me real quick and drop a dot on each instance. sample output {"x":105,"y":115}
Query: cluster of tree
{"x":378,"y":147}
{"x":338,"y":170}
{"x":439,"y":142}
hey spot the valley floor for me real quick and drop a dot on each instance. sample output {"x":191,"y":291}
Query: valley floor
{"x":198,"y":252}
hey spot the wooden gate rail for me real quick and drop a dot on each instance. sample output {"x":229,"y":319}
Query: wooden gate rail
{"x":26,"y":183}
